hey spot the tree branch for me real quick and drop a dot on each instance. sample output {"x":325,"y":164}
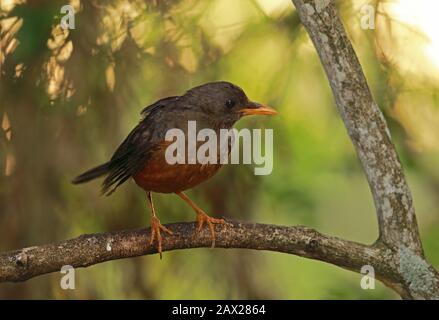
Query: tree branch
{"x":91,"y":249}
{"x":365,"y":124}
{"x":371,"y":138}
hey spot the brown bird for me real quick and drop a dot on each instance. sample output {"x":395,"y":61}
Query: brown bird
{"x":141,"y":156}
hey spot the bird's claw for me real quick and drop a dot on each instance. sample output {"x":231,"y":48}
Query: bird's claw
{"x":156,"y":227}
{"x":202,"y":218}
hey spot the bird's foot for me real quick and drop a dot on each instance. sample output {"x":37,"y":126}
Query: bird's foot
{"x":156,"y":227}
{"x":202,"y":218}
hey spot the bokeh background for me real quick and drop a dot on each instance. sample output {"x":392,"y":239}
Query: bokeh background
{"x":69,"y":97}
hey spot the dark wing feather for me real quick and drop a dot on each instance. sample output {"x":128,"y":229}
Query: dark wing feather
{"x":135,"y":150}
{"x":158,"y":104}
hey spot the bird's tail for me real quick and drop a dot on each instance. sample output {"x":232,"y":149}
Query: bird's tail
{"x":92,"y":173}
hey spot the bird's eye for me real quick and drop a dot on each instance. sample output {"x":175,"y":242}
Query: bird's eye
{"x":230,"y":103}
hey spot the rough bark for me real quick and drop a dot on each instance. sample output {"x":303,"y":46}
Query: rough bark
{"x":397,"y":255}
{"x":371,"y":138}
{"x":91,"y":249}
{"x":365,"y":123}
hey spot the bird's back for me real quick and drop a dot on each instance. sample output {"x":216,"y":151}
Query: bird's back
{"x":142,"y":154}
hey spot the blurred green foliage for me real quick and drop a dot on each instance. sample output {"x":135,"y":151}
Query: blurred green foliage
{"x":68,"y":98}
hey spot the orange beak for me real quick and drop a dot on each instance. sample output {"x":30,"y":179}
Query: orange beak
{"x":254,"y":108}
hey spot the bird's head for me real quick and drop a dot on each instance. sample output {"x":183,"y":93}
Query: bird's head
{"x":226,"y":102}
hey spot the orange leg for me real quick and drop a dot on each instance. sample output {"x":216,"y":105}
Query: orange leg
{"x":156,"y":227}
{"x":202,"y":217}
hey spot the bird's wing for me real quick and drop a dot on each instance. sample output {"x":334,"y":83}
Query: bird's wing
{"x":133,"y":153}
{"x":157,"y":105}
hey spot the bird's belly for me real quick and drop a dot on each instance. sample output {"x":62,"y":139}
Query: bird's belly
{"x":159,"y":176}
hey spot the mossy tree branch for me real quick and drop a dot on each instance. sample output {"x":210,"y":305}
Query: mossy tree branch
{"x":371,"y":138}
